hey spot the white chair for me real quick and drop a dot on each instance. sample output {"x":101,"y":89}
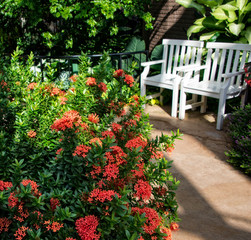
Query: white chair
{"x":176,"y":53}
{"x":222,"y":78}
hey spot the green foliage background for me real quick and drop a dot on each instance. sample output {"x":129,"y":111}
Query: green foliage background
{"x":61,"y":27}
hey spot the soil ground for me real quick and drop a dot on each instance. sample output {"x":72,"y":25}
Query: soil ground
{"x":214,"y":198}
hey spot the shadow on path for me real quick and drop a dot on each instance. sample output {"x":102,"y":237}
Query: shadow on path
{"x":214,"y":199}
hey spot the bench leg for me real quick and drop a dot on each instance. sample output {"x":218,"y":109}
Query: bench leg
{"x":161,"y":97}
{"x":194,"y":100}
{"x":221,"y":111}
{"x":175,"y":100}
{"x":203,"y":107}
{"x":182,"y":104}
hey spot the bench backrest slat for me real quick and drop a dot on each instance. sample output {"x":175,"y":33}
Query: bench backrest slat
{"x":225,"y":58}
{"x":180,"y":53}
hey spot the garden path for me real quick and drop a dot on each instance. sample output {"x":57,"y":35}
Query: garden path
{"x":214,"y":199}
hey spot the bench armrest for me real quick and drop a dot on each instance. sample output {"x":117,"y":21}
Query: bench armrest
{"x":192,"y":67}
{"x":145,"y":64}
{"x":233,"y":74}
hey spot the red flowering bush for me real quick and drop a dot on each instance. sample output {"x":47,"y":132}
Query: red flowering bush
{"x":82,"y":164}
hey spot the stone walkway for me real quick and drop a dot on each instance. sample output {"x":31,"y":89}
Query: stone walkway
{"x":214,"y":199}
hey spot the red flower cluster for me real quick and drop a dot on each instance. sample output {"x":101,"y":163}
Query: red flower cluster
{"x":59,"y":151}
{"x":4,"y":224}
{"x":129,"y":80}
{"x":68,"y":120}
{"x":63,"y":100}
{"x":54,"y":202}
{"x":34,"y":186}
{"x":55,"y":91}
{"x":73,"y":78}
{"x":100,"y":195}
{"x":143,"y":190}
{"x":54,"y":226}
{"x":108,"y":133}
{"x":96,"y":141}
{"x":31,"y":134}
{"x":136,"y":143}
{"x":87,"y":227}
{"x":93,"y":117}
{"x":168,"y":232}
{"x":81,"y":150}
{"x":152,"y":219}
{"x":5,"y":185}
{"x":91,"y":81}
{"x":70,"y":238}
{"x":119,"y":73}
{"x":21,"y":233}
{"x":117,"y":155}
{"x":139,"y":173}
{"x":12,"y":200}
{"x":174,"y":226}
{"x":32,"y":85}
{"x":111,"y":171}
{"x":102,"y":86}
{"x":116,"y":127}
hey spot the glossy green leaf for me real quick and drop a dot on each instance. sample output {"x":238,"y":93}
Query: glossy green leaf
{"x":194,"y":29}
{"x":241,"y":4}
{"x":228,"y":7}
{"x":192,"y":4}
{"x":208,"y":36}
{"x":232,"y":16}
{"x":212,"y":23}
{"x":247,"y":8}
{"x":236,"y":28}
{"x":248,"y":35}
{"x":220,"y":14}
{"x":210,"y":3}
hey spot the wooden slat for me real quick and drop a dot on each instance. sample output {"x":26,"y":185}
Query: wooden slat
{"x":176,"y":59}
{"x":170,"y":59}
{"x":235,"y":64}
{"x":187,"y":57}
{"x":229,"y":61}
{"x":183,"y":50}
{"x":215,"y":64}
{"x":222,"y":62}
{"x":208,"y":63}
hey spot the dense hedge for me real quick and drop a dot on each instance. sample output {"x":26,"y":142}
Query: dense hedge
{"x":77,"y":160}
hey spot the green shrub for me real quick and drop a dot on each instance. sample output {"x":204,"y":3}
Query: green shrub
{"x":78,"y":159}
{"x":239,"y":129}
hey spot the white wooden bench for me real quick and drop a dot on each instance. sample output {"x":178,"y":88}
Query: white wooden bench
{"x":176,"y":53}
{"x":222,"y":78}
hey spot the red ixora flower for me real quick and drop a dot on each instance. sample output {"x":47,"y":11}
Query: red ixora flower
{"x":102,"y":86}
{"x":31,"y":134}
{"x":54,"y":202}
{"x":81,"y":150}
{"x":69,"y":120}
{"x":5,"y":185}
{"x":63,"y":100}
{"x":21,"y":232}
{"x":119,"y":73}
{"x":111,"y":171}
{"x":174,"y":226}
{"x":91,"y":81}
{"x":93,"y":117}
{"x":136,"y":143}
{"x":87,"y":228}
{"x":34,"y":186}
{"x":129,"y":80}
{"x":73,"y":78}
{"x":152,"y":219}
{"x":143,"y":190}
{"x":4,"y":224}
{"x":55,"y":91}
{"x":32,"y":85}
{"x":100,"y":195}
